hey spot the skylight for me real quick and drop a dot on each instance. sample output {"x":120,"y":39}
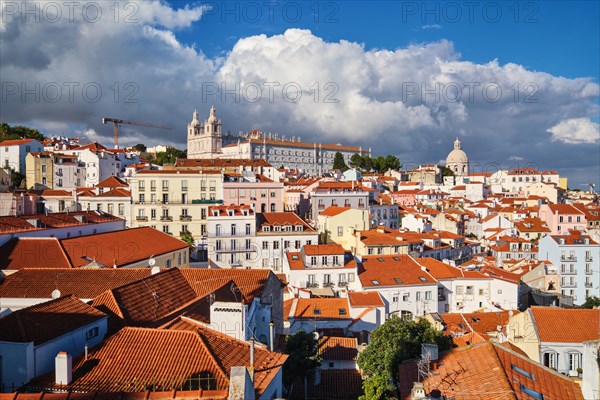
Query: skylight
{"x":342,"y":311}
{"x":295,"y":257}
{"x":396,"y":258}
{"x":398,"y":280}
{"x":379,"y":259}
{"x":317,"y":311}
{"x":375,"y":282}
{"x":422,"y":279}
{"x":532,"y":393}
{"x":522,"y":372}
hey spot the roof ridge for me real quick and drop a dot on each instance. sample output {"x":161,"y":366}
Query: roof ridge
{"x":212,"y":357}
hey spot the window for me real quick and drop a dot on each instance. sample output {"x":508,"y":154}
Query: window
{"x":340,"y":230}
{"x":121,"y":209}
{"x":336,"y":260}
{"x":405,"y":296}
{"x":153,"y":213}
{"x":91,"y":333}
{"x":469,"y":290}
{"x":428,"y":295}
{"x":168,"y":263}
{"x":326,"y":278}
{"x":275,"y":245}
{"x":342,"y":278}
{"x":297,"y":244}
{"x":313,"y":260}
{"x":184,"y":186}
{"x":265,"y":245}
{"x":248,"y":229}
{"x":550,"y":359}
{"x":153,"y":185}
{"x":481,"y":292}
{"x":242,"y":192}
{"x":459,"y":290}
{"x":311,"y":279}
{"x":418,"y":296}
{"x":351,"y":277}
{"x":324,"y":260}
{"x":574,"y":361}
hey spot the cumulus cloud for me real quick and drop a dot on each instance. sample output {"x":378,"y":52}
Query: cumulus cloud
{"x":575,"y":131}
{"x":432,"y":26}
{"x":410,"y":101}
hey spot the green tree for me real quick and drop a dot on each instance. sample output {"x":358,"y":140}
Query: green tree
{"x":8,"y":132}
{"x":591,"y":302}
{"x":301,"y":347}
{"x":446,"y":171}
{"x":17,"y":179}
{"x":188,"y":238}
{"x":398,"y":339}
{"x":339,"y":163}
{"x":357,"y":161}
{"x":140,"y":147}
{"x":392,"y":162}
{"x":169,"y":156}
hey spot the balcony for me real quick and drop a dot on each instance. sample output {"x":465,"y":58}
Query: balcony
{"x":568,"y":271}
{"x":342,"y":284}
{"x":166,"y":218}
{"x":185,"y":218}
{"x":589,"y":258}
{"x":141,"y":218}
{"x":312,"y":285}
{"x":327,"y":284}
{"x":568,"y":258}
{"x":237,"y":249}
{"x":568,"y":285}
{"x":205,"y":201}
{"x":183,"y":233}
{"x":589,"y":284}
{"x":229,"y":234}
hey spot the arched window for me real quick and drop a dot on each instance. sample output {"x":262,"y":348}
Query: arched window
{"x":550,"y":359}
{"x":574,"y":361}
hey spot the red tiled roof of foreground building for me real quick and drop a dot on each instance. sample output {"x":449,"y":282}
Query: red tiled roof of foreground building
{"x":137,"y":358}
{"x":112,"y":182}
{"x":335,"y":384}
{"x":82,"y":283}
{"x":251,"y":282}
{"x":488,"y":371}
{"x":43,"y":322}
{"x":147,"y":394}
{"x":365,"y":299}
{"x":337,"y":348}
{"x":392,"y":270}
{"x":440,"y":270}
{"x":149,"y":301}
{"x":563,"y":325}
{"x":30,"y":252}
{"x":15,"y":142}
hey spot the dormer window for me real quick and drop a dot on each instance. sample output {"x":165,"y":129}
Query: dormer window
{"x":215,"y":213}
{"x":266,"y":229}
{"x":277,"y":229}
{"x":298,"y":228}
{"x":230,"y":213}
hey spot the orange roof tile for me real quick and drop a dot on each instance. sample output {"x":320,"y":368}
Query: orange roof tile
{"x":16,"y":142}
{"x":365,"y":299}
{"x":46,"y":321}
{"x":120,"y":247}
{"x":563,"y":325}
{"x":83,"y":283}
{"x":335,"y":384}
{"x":564,"y":209}
{"x":26,"y":252}
{"x":488,"y":371}
{"x":322,"y":249}
{"x":117,"y":192}
{"x":322,"y":308}
{"x":332,"y":211}
{"x":282,"y":219}
{"x":390,"y":270}
{"x":440,"y":270}
{"x":337,"y":348}
{"x":112,"y":182}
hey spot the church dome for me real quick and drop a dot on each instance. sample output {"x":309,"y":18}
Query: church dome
{"x":195,"y":120}
{"x":457,"y":159}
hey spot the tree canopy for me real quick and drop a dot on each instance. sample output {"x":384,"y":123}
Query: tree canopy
{"x":302,"y":350}
{"x":8,"y":132}
{"x":591,"y":302}
{"x":446,"y":171}
{"x":339,"y":163}
{"x":378,"y":164}
{"x":398,"y":339}
{"x":140,"y":147}
{"x":169,"y":156}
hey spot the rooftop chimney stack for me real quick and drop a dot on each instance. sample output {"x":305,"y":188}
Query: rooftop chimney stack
{"x":64,"y":368}
{"x":252,"y":353}
{"x":271,"y":336}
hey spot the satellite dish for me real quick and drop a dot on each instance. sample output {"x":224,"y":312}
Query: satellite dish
{"x":55,"y":294}
{"x":151,"y":262}
{"x":316,"y":335}
{"x":499,"y":328}
{"x":510,"y":313}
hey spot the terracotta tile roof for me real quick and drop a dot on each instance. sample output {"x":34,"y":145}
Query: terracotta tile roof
{"x":574,"y":237}
{"x":92,"y":146}
{"x":118,"y":192}
{"x":46,"y":321}
{"x":43,"y":252}
{"x":382,"y":237}
{"x":468,"y":339}
{"x":10,"y":224}
{"x":112,"y":182}
{"x":488,"y":371}
{"x":322,"y":308}
{"x":365,"y":299}
{"x":135,"y":359}
{"x":223,"y":211}
{"x":322,"y":249}
{"x":332,"y":211}
{"x":336,"y":384}
{"x":229,"y":352}
{"x":54,"y":220}
{"x":390,"y":270}
{"x":250,"y":282}
{"x":16,"y":142}
{"x":531,"y":225}
{"x":566,"y":325}
{"x":120,"y":247}
{"x":150,"y":301}
{"x":338,"y":348}
{"x":563,"y":209}
{"x":281,"y":219}
{"x":440,"y":270}
{"x":82,"y":283}
{"x":296,"y":262}
{"x":502,"y":274}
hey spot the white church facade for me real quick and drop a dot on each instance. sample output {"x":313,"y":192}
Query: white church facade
{"x":206,"y":140}
{"x":457,"y":160}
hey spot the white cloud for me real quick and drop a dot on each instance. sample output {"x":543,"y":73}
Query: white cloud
{"x":377,"y":103}
{"x":432,"y":26}
{"x":576,"y":131}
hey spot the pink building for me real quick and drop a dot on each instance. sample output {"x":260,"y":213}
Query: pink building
{"x":405,"y":197}
{"x":263,"y":194}
{"x":560,"y":218}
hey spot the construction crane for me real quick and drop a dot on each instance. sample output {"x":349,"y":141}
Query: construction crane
{"x":118,"y":122}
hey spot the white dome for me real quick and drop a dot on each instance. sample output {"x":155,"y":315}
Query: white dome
{"x":457,"y":157}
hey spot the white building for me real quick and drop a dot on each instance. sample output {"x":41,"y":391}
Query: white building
{"x":576,"y":257}
{"x":100,"y":163}
{"x":457,"y":160}
{"x":13,"y":153}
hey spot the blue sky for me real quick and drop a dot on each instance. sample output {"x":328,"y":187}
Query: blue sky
{"x":558,"y":37}
{"x":372,"y":51}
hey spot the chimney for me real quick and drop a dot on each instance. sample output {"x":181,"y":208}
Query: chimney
{"x":241,"y":386}
{"x":252,"y":353}
{"x":272,"y":336}
{"x":85,"y":350}
{"x":418,"y":391}
{"x":64,"y":368}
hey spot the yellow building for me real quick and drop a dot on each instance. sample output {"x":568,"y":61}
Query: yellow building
{"x":39,"y":170}
{"x":336,"y":224}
